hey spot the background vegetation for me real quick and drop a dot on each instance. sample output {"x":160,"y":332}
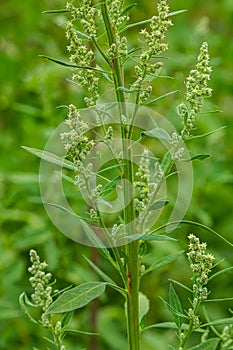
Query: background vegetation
{"x":31,"y":91}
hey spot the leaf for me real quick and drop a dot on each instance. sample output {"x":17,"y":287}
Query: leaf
{"x":174,"y":13}
{"x":221,"y":322}
{"x":127,"y":9}
{"x":159,"y":204}
{"x":103,"y":275}
{"x":172,"y":310}
{"x":167,"y":163}
{"x":23,"y":300}
{"x":75,"y":331}
{"x":162,"y":97}
{"x":76,"y":297}
{"x":65,"y":64}
{"x":206,"y":134}
{"x":220,"y":272}
{"x":148,"y":237}
{"x":206,"y":228}
{"x":164,"y":261}
{"x":180,"y":285}
{"x":51,"y":158}
{"x":110,"y":186}
{"x":67,"y":317}
{"x":218,"y":300}
{"x":144,"y":305}
{"x":95,"y":240}
{"x":210,"y":344}
{"x":56,"y":11}
{"x":175,"y":302}
{"x":83,"y":35}
{"x":171,"y":325}
{"x":200,"y":156}
{"x":157,"y":133}
{"x":132,"y":25}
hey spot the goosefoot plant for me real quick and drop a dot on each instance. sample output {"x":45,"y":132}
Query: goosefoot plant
{"x":125,"y":194}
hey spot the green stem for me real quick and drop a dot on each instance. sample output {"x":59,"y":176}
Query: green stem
{"x":132,"y":273}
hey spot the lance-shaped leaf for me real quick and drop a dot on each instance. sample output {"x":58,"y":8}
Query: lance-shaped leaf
{"x":159,"y":204}
{"x":210,"y":344}
{"x":162,"y":97}
{"x":200,"y":157}
{"x":110,"y":186}
{"x":157,"y":133}
{"x":164,"y":261}
{"x":175,"y":302}
{"x":77,"y":297}
{"x":51,"y":158}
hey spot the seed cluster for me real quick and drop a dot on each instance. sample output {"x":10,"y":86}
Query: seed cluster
{"x":196,"y":91}
{"x":155,"y":40}
{"x":40,"y":282}
{"x":201,"y":264}
{"x":80,"y":53}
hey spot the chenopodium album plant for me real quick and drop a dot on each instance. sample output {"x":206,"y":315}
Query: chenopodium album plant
{"x":124,"y":192}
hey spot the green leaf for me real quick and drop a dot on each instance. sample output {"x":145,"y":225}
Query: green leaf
{"x":148,"y":237}
{"x":128,"y":8}
{"x":144,"y":305}
{"x":82,"y":35}
{"x":159,"y":204}
{"x":167,"y":163}
{"x":132,"y":25}
{"x":221,"y":322}
{"x":171,"y":325}
{"x":210,"y":344}
{"x":23,"y":300}
{"x":180,"y":285}
{"x":174,"y":13}
{"x":95,"y":240}
{"x":162,"y":97}
{"x":164,"y":261}
{"x":175,"y":302}
{"x":157,"y":133}
{"x":56,"y":11}
{"x":75,"y":331}
{"x":64,"y":209}
{"x":218,"y":300}
{"x":103,"y":275}
{"x":77,"y":297}
{"x":220,"y":272}
{"x":67,"y":317}
{"x":206,"y":134}
{"x":110,"y":186}
{"x":172,"y":310}
{"x":51,"y":158}
{"x":65,"y":64}
{"x":206,"y":228}
{"x":200,"y":156}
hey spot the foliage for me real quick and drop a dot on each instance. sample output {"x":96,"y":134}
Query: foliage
{"x":31,"y":91}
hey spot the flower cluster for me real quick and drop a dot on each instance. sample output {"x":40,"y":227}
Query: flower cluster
{"x":83,"y":57}
{"x":40,"y":282}
{"x":142,"y":186}
{"x":42,"y":295}
{"x":76,"y":143}
{"x":86,"y":13}
{"x":196,"y":90}
{"x":201,"y":264}
{"x":155,"y":39}
{"x":114,"y":10}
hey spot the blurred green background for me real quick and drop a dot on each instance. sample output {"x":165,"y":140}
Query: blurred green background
{"x":31,"y":91}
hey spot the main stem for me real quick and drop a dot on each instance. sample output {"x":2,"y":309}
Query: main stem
{"x":132,"y":273}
